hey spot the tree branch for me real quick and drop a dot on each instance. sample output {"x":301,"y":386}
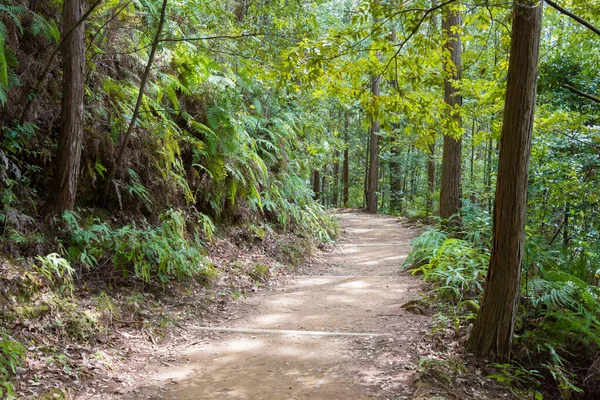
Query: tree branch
{"x":138,"y":104}
{"x":194,"y":39}
{"x":580,"y":93}
{"x":412,"y":33}
{"x":573,"y":16}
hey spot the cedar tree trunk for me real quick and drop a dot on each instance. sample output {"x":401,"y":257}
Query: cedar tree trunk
{"x":450,"y":180}
{"x":70,"y":141}
{"x":493,"y":329}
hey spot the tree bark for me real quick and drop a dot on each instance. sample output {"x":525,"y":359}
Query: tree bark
{"x":431,"y":154}
{"x":431,"y":175}
{"x":450,"y":180}
{"x":336,"y":179}
{"x":66,"y":35}
{"x":367,"y":165}
{"x":316,"y":184}
{"x":70,"y":141}
{"x":241,"y":9}
{"x":346,"y":167}
{"x":488,"y":174}
{"x":324,"y":186}
{"x":494,"y":327}
{"x":373,"y":176}
{"x":396,"y":179}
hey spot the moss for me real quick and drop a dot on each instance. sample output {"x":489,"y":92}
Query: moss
{"x":259,"y":273}
{"x":34,"y":310}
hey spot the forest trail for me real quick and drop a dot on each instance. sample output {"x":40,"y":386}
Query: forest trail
{"x":317,"y":337}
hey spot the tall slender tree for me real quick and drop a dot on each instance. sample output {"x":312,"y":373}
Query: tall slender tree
{"x":336,"y":179}
{"x":493,"y":330}
{"x":70,"y":141}
{"x":373,"y":173}
{"x":450,"y":179}
{"x":346,"y":167}
{"x":431,"y":147}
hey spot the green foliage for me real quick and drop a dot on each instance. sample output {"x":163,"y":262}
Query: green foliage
{"x":558,"y":316}
{"x":455,"y":266}
{"x":57,"y":271}
{"x":151,"y":253}
{"x":11,"y":356}
{"x":521,"y":381}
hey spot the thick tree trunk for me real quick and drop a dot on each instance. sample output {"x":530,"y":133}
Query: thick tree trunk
{"x":373,"y":177}
{"x":346,"y":168}
{"x":493,"y":329}
{"x":336,"y":179}
{"x":450,"y":180}
{"x":70,"y":142}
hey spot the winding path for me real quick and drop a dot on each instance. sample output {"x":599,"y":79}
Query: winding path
{"x":320,"y":337}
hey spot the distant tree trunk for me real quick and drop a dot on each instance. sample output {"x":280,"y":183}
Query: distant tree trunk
{"x":494,"y":326}
{"x":336,"y":179}
{"x":488,"y":174}
{"x":406,"y":171}
{"x":241,"y":9}
{"x":70,"y":141}
{"x":566,"y":237}
{"x":396,"y":179}
{"x":431,"y":176}
{"x":324,"y":197}
{"x":367,"y":166}
{"x":431,"y":154}
{"x":373,"y":176}
{"x":316,"y":184}
{"x":382,"y":190}
{"x":346,"y":168}
{"x":450,"y":181}
{"x":472,"y":180}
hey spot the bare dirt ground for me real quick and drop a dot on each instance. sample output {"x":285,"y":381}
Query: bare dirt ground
{"x":315,"y":338}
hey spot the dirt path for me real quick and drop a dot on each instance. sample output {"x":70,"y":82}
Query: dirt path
{"x":316,"y":338}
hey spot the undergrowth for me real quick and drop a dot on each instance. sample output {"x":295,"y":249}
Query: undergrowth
{"x":558,"y":330}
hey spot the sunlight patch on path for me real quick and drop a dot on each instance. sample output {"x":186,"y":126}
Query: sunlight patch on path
{"x":281,"y":331}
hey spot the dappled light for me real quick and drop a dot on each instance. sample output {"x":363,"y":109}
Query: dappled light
{"x":299,"y":199}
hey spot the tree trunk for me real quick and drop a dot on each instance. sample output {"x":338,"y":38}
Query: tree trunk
{"x":488,"y":175}
{"x":316,"y":184}
{"x":336,"y":179}
{"x":431,"y":176}
{"x":324,"y":186}
{"x":566,"y":237}
{"x":373,"y":176}
{"x":431,"y":154}
{"x":241,"y":9}
{"x":346,"y":168}
{"x":450,"y":180}
{"x":367,"y":165}
{"x":70,"y":141}
{"x":396,"y":179}
{"x":493,"y":329}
